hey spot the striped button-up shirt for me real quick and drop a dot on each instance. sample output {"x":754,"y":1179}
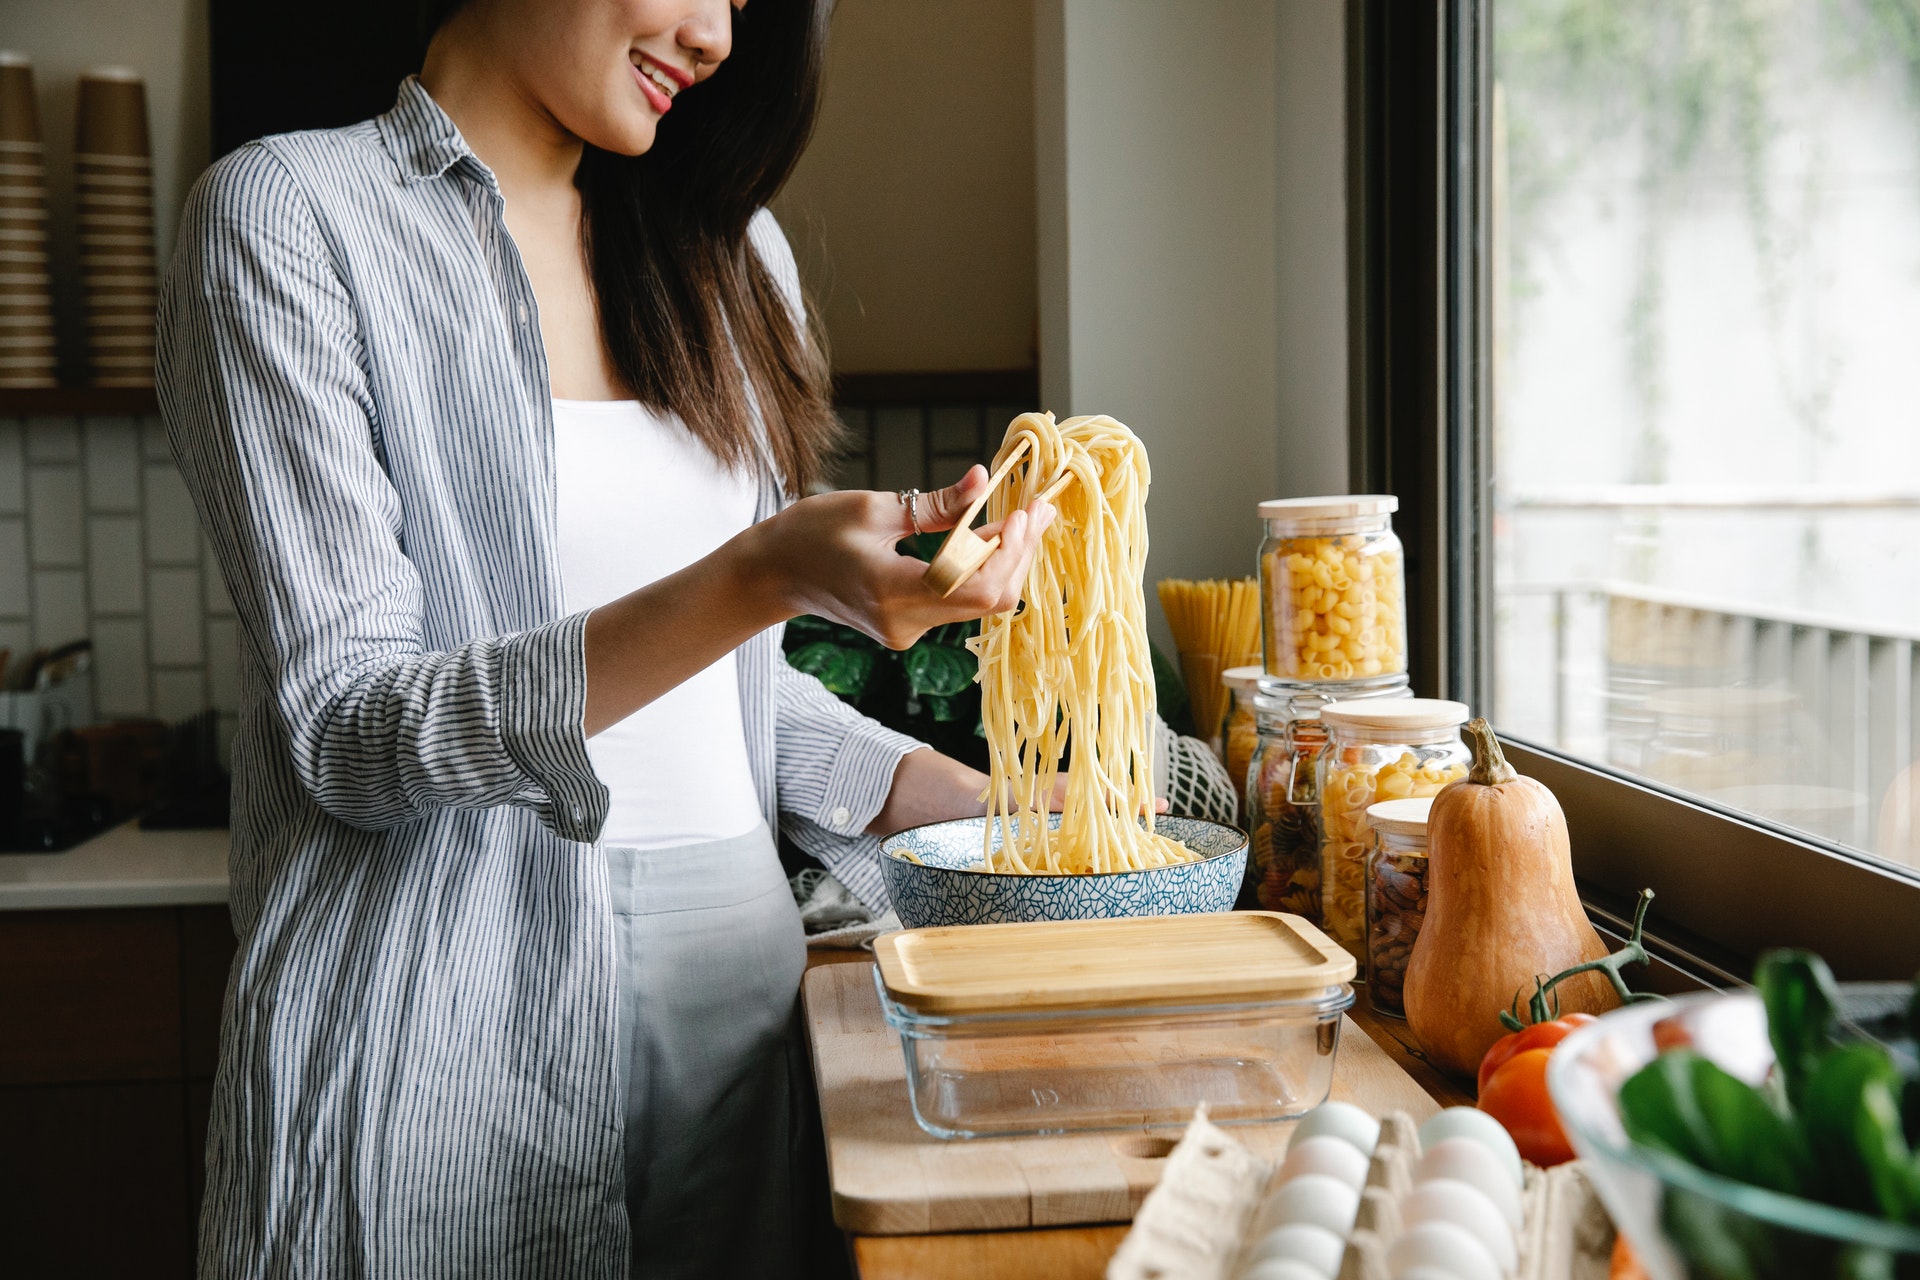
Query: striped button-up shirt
{"x":416,"y":1069}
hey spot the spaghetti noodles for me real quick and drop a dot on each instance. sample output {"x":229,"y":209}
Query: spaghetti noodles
{"x":1073,"y":666}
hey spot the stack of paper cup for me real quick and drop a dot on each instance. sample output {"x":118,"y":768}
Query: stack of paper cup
{"x":115,"y":174}
{"x":26,"y":296}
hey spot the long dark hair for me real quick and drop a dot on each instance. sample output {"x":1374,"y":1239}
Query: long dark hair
{"x":686,"y":306}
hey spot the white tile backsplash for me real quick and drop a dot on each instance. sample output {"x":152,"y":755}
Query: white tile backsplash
{"x":113,"y":464}
{"x":13,"y":468}
{"x":898,"y":458}
{"x":175,"y":622}
{"x":16,"y":638}
{"x":53,"y":439}
{"x":59,"y":606}
{"x":173,"y":530}
{"x":120,"y":685}
{"x":179,"y":694}
{"x":223,"y":663}
{"x":955,"y":428}
{"x":56,"y":517}
{"x":153,"y":441}
{"x":116,"y":575}
{"x":14,"y":601}
{"x":98,"y":538}
{"x":219,"y":603}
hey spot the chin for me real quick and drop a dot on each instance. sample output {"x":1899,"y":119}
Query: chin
{"x":628,"y":136}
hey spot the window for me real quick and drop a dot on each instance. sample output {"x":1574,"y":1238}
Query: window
{"x":1706,"y":286}
{"x":1635,"y":337}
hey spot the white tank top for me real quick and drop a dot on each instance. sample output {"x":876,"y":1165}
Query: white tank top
{"x":640,"y":498}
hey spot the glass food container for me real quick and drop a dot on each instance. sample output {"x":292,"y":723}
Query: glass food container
{"x":1082,"y":1025}
{"x":1396,"y":897}
{"x":1333,"y":594}
{"x":1242,"y":732}
{"x":1282,"y":791}
{"x":1376,"y":751}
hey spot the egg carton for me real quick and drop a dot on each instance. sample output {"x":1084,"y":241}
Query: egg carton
{"x":1212,"y":1216}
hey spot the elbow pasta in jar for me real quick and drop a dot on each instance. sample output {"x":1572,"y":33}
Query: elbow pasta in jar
{"x":1388,"y":751}
{"x":1332,"y":588}
{"x":1282,"y":791}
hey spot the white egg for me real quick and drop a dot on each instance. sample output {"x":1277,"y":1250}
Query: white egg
{"x":1470,"y":1162}
{"x":1464,"y":1205}
{"x":1423,"y":1273}
{"x":1287,"y":1269}
{"x":1315,"y":1199}
{"x":1470,"y":1122}
{"x":1343,"y":1120}
{"x":1326,"y":1154}
{"x":1296,"y":1242}
{"x":1444,"y":1247}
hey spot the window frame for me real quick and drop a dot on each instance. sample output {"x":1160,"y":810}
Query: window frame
{"x":1420,"y":402}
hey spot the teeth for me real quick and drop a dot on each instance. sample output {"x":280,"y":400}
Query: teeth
{"x":659,"y":79}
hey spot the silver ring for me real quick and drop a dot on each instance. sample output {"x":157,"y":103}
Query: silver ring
{"x":911,"y":498}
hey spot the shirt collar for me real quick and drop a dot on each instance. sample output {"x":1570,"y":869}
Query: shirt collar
{"x":423,"y":139}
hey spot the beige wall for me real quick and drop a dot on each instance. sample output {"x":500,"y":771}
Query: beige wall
{"x":912,"y":212}
{"x":1193,"y":253}
{"x":1158,"y":246}
{"x":166,"y":42}
{"x":1310,"y":247}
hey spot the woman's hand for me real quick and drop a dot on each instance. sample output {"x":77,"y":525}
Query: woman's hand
{"x":834,"y":555}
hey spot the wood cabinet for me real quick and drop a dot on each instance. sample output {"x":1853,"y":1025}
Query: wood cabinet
{"x":109,"y":1027}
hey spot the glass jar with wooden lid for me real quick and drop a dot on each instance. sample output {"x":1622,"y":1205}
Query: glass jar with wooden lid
{"x":1283,"y":807}
{"x":1376,"y":751}
{"x":1332,"y":589}
{"x":1396,"y":897}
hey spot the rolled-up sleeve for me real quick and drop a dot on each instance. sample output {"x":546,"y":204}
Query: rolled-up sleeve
{"x":835,"y":768}
{"x":264,"y":391}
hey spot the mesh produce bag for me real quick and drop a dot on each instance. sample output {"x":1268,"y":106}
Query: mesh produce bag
{"x":1191,"y":777}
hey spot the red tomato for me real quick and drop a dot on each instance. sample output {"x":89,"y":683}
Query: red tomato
{"x":1541,"y":1035}
{"x":1672,"y":1032}
{"x":1516,"y":1096}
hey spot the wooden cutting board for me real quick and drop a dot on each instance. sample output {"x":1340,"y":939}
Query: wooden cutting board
{"x":890,"y":1177}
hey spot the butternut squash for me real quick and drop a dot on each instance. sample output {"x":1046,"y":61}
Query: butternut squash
{"x":1501,"y":910}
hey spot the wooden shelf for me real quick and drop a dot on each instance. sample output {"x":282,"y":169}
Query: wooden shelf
{"x":56,"y":402}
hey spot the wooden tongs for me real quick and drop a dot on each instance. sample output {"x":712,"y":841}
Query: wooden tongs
{"x":964,"y":551}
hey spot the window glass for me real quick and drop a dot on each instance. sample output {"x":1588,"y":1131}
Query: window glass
{"x":1707,"y":400}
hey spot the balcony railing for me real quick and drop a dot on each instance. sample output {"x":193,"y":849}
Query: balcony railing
{"x":1800,"y":718}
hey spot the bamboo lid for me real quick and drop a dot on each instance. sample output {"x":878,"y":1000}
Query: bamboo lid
{"x":1401,"y":817}
{"x":1232,"y":957}
{"x":1413,"y":715}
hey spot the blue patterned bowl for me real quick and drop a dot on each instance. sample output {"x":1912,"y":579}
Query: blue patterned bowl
{"x":940,"y":889}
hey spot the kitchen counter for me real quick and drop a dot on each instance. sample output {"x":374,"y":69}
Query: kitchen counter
{"x":124,"y":867}
{"x":1074,"y":1252}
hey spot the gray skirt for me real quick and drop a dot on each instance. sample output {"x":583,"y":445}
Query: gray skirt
{"x":709,"y":951}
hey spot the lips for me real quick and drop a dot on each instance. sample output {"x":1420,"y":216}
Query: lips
{"x":659,"y":82}
{"x":655,"y":96}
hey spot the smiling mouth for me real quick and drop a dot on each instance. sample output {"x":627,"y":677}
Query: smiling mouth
{"x":657,"y":78}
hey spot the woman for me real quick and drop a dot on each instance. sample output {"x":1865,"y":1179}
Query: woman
{"x":494,"y":408}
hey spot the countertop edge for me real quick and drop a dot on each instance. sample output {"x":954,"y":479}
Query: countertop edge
{"x":125,"y":867}
{"x":179,"y":893}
